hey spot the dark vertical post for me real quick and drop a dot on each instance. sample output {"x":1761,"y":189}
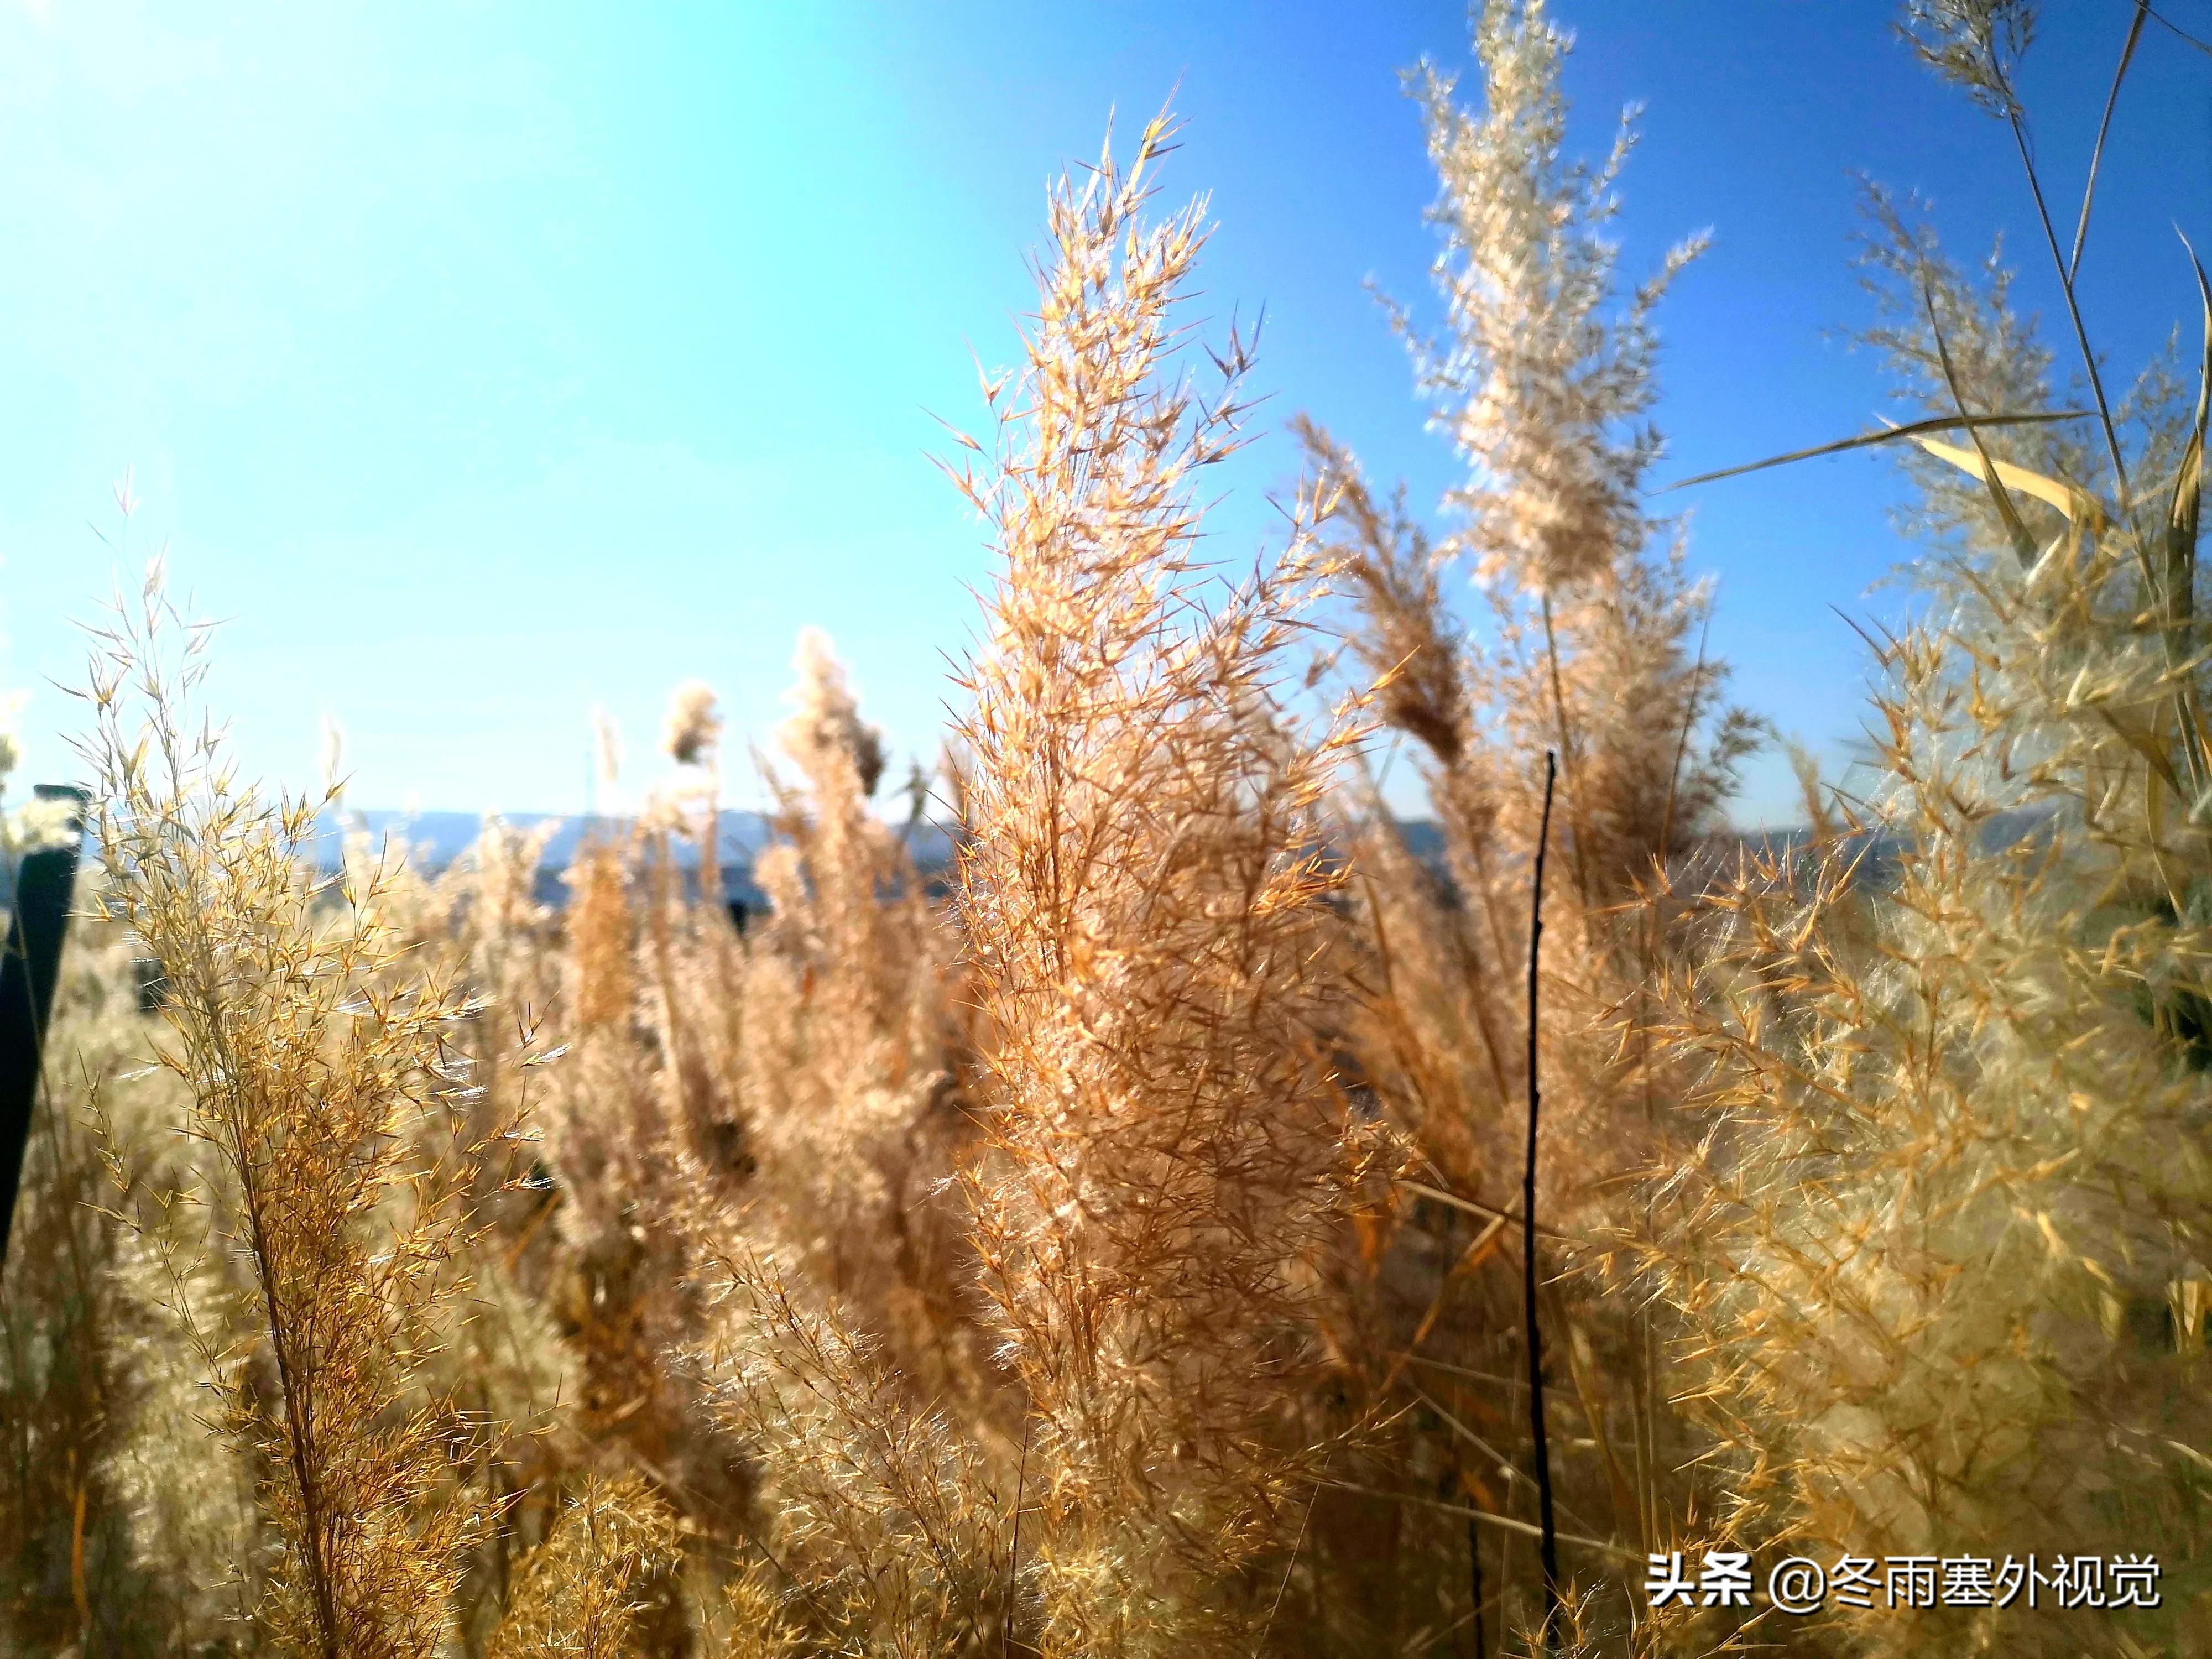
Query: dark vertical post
{"x":1528,"y":1241}
{"x":44,"y":883}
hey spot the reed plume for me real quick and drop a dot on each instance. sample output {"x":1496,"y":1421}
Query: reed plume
{"x":1939,"y":1259}
{"x":1587,"y":642}
{"x":1142,"y":892}
{"x":573,"y":1594}
{"x":312,"y":1055}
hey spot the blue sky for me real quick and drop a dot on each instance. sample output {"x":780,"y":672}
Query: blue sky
{"x":483,"y":363}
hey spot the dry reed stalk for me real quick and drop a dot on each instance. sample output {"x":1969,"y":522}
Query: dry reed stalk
{"x":1534,"y":1341}
{"x":889,"y":1518}
{"x":1938,"y":1261}
{"x":573,"y":1594}
{"x":1141,"y":891}
{"x":1543,"y":377}
{"x":121,"y":1520}
{"x":599,"y":938}
{"x":835,"y":1348}
{"x":857,"y":1124}
{"x":311,"y":1058}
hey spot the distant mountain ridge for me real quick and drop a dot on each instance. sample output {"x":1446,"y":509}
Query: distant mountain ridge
{"x":434,"y":841}
{"x":437,"y":839}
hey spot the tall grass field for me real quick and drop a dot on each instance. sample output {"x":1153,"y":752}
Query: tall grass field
{"x":1200,"y":1215}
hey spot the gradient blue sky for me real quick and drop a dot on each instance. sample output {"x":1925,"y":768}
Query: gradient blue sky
{"x":483,"y":363}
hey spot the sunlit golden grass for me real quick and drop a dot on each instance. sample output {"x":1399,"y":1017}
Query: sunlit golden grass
{"x":1113,"y":1245}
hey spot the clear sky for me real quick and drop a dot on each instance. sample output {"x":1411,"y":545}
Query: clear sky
{"x":485,"y":362}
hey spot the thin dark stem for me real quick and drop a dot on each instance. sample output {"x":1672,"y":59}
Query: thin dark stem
{"x":1535,"y":1343}
{"x":292,"y":1380}
{"x":2097,"y":156}
{"x":2186,"y":38}
{"x":1289,"y":1567}
{"x":1567,"y":750}
{"x":2018,"y":124}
